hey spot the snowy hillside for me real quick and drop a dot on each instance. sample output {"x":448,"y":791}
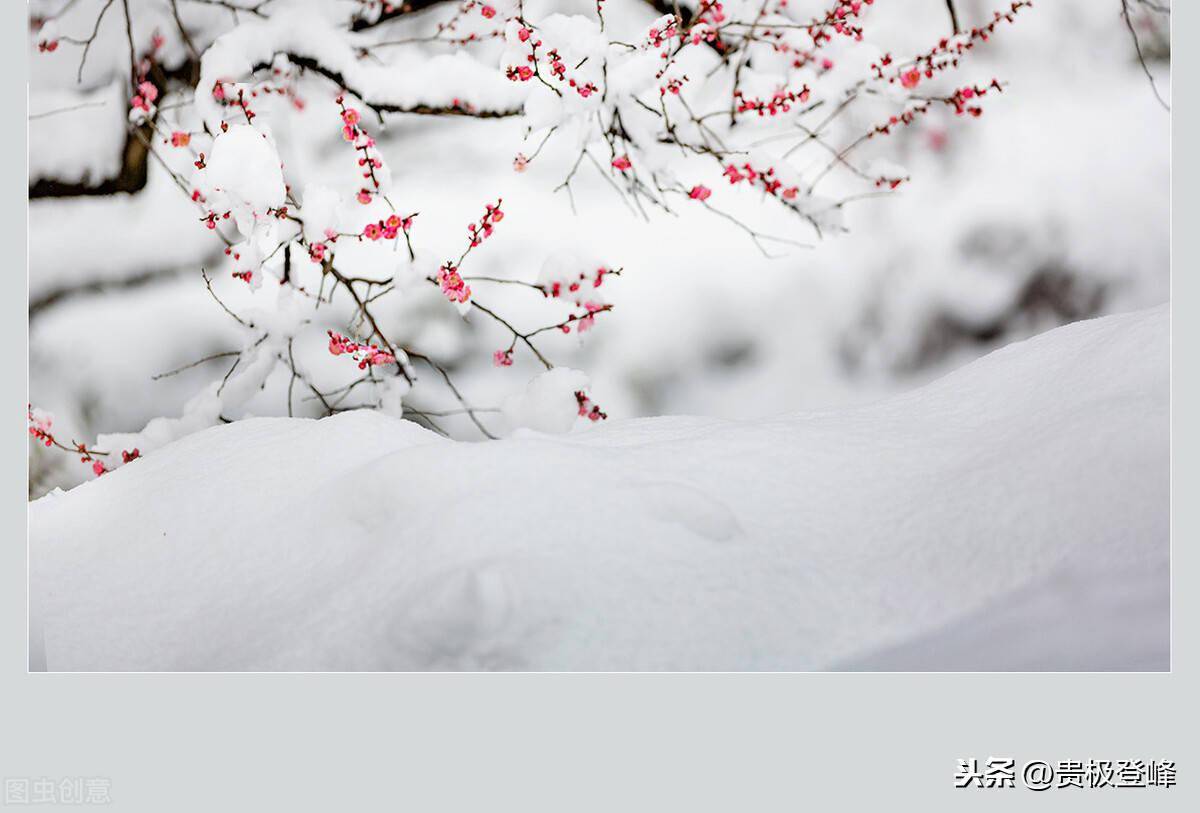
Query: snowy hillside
{"x":1011,"y":515}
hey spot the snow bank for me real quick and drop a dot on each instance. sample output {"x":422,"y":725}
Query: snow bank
{"x":1011,"y":515}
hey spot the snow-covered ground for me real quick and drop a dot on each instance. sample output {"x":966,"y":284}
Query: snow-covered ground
{"x":1013,"y":514}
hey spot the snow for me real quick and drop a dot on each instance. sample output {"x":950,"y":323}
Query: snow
{"x":1134,"y":606}
{"x":547,"y":403}
{"x":246,"y":167}
{"x":102,"y":248}
{"x":321,"y":212}
{"x":408,"y":80}
{"x":79,"y":135}
{"x":1013,"y":514}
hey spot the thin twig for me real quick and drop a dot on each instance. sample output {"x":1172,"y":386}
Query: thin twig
{"x":196,"y":363}
{"x":1137,"y":45}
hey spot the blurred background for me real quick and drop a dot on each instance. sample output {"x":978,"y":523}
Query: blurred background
{"x":1052,"y":207}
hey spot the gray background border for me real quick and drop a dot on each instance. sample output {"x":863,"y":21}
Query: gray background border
{"x":589,"y":742}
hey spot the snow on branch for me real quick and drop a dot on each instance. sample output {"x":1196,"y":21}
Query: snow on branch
{"x":410,"y":83}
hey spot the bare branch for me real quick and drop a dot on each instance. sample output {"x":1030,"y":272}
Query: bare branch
{"x":1137,"y":46}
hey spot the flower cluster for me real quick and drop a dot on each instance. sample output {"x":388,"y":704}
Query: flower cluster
{"x":211,"y":218}
{"x":40,"y":424}
{"x":708,"y":16}
{"x":768,"y":179}
{"x":585,"y":89}
{"x":557,"y":68}
{"x":587,"y":409}
{"x":283,"y":83}
{"x":224,"y":97}
{"x":483,"y":230}
{"x":318,"y":250}
{"x":555,"y":64}
{"x":367,"y":355}
{"x":369,"y":161}
{"x":673,"y":85}
{"x":589,"y":318}
{"x":560,"y":287}
{"x":388,"y":229}
{"x":580,"y":291}
{"x":452,"y":284}
{"x":780,"y":102}
{"x":840,"y":20}
{"x":963,"y":100}
{"x":144,"y":98}
{"x":521,"y":73}
{"x":949,"y":50}
{"x":246,"y":275}
{"x":664,"y":28}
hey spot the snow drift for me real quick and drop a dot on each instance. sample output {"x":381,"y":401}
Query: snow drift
{"x":1014,"y":514}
